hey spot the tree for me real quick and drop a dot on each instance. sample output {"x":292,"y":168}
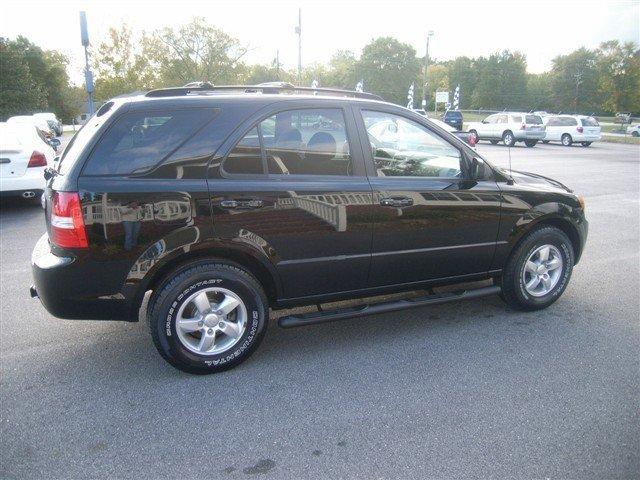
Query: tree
{"x":618,"y":67}
{"x":539,"y":92}
{"x":19,"y":93}
{"x":463,"y":72}
{"x":343,"y":66}
{"x":388,"y":68}
{"x":502,"y":81}
{"x":194,"y":52}
{"x":574,"y":82}
{"x":120,"y":65}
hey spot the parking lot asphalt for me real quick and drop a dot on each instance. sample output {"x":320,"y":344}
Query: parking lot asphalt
{"x":464,"y":390}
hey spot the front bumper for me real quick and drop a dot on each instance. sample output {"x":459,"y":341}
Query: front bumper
{"x":60,"y":282}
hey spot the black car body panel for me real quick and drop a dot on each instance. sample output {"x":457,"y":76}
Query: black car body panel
{"x":306,"y":238}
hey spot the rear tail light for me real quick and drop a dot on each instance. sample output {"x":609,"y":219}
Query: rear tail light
{"x":37,"y":160}
{"x":580,"y":129}
{"x":523,"y":127}
{"x":67,"y":225}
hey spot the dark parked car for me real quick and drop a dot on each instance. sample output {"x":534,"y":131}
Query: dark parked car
{"x":223,"y":206}
{"x":453,"y":118}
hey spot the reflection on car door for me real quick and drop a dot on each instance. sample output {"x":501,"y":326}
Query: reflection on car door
{"x":429,"y":221}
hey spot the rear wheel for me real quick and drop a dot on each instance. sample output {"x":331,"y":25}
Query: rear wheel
{"x":538,"y":270}
{"x":530,"y":143}
{"x":566,"y":139}
{"x":207,"y":318}
{"x":635,"y":134}
{"x":586,"y":144}
{"x":508,"y":139}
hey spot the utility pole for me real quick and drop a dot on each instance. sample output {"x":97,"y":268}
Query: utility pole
{"x":88,"y":76}
{"x":278,"y":64}
{"x":578,"y":78}
{"x":299,"y":32}
{"x":426,"y":65}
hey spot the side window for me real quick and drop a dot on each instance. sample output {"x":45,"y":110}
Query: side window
{"x":245,"y":158}
{"x":501,"y":119}
{"x":307,"y":142}
{"x":138,"y":141}
{"x":553,"y":122}
{"x":490,"y":119}
{"x":517,"y":118}
{"x":404,"y":148}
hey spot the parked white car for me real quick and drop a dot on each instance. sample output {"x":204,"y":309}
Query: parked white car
{"x":24,"y":155}
{"x":634,"y":130}
{"x":509,"y":127}
{"x":570,"y":129}
{"x":41,"y":123}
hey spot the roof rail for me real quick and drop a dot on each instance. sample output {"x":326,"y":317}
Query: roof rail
{"x":195,"y":88}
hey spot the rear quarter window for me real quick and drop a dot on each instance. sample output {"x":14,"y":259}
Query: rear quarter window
{"x":138,"y":141}
{"x":589,"y":122}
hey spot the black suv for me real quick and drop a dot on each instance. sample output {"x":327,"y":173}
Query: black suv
{"x":224,"y":202}
{"x":453,"y":118}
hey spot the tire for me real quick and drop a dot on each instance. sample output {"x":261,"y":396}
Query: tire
{"x":508,"y":139}
{"x":516,"y":275}
{"x":635,"y":134}
{"x":494,"y":142}
{"x":530,"y":143}
{"x":566,"y":140}
{"x":545,"y":141}
{"x":475,"y":134}
{"x":586,"y":144}
{"x":177,"y":300}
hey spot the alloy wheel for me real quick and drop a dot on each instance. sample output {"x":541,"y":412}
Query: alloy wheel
{"x":542,"y":270}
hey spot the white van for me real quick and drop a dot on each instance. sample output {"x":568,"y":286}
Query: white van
{"x":569,"y":129}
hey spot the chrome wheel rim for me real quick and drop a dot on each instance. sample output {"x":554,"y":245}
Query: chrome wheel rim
{"x":565,"y":141}
{"x":542,"y":270}
{"x":508,"y":139}
{"x":211,"y":321}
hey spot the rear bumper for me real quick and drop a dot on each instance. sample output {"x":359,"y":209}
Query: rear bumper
{"x":524,"y":135}
{"x":32,"y":180}
{"x":59,"y":283}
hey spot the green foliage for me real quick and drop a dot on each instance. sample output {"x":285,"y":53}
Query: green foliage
{"x":33,"y":79}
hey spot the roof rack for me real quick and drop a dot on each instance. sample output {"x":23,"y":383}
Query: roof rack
{"x":196,"y":88}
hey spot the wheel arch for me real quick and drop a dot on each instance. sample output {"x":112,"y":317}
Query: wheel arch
{"x":559,"y":222}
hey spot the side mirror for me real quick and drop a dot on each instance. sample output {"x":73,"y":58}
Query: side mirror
{"x":54,"y":142}
{"x":484,"y":121}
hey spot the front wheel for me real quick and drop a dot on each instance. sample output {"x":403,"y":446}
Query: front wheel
{"x":538,"y":270}
{"x":508,"y":139}
{"x":635,"y":134}
{"x":530,"y":143}
{"x":208,"y":317}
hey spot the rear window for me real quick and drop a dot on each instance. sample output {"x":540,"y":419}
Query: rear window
{"x":453,"y":114}
{"x":533,"y":120}
{"x":590,"y":122}
{"x":139,"y":141}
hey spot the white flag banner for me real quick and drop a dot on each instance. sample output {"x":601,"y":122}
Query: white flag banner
{"x":456,"y":98}
{"x":315,"y":84}
{"x":360,"y":86}
{"x":410,"y":97}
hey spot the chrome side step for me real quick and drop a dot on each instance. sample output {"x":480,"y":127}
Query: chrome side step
{"x":322,"y":316}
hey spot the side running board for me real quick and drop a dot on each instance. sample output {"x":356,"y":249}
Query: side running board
{"x":290,"y":321}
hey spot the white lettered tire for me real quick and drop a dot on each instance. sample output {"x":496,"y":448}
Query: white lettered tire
{"x":209,"y":317}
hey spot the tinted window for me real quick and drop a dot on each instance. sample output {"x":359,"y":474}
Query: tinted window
{"x":139,"y":141}
{"x":568,"y":121}
{"x":245,"y":158}
{"x":306,"y":142}
{"x":516,"y":118}
{"x":453,"y":114}
{"x":404,"y":148}
{"x":533,"y":120}
{"x":589,"y":122}
{"x":501,"y":119}
{"x":490,"y":119}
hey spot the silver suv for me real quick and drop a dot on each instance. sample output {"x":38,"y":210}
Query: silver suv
{"x":509,"y":127}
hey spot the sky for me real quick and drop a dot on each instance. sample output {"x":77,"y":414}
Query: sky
{"x":540,"y":29}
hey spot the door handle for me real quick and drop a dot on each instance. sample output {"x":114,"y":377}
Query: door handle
{"x":242,"y":204}
{"x":396,"y":201}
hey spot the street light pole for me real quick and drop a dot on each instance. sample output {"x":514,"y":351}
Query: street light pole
{"x":426,"y":65}
{"x":299,"y":32}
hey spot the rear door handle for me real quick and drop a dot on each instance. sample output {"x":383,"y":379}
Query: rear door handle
{"x":242,"y":204}
{"x":396,"y":201}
